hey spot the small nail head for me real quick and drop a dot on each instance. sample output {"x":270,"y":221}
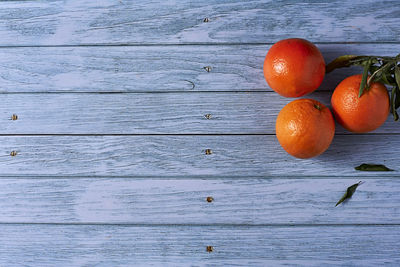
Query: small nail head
{"x":14,"y":117}
{"x":206,"y":20}
{"x":208,"y":151}
{"x":209,"y":199}
{"x":13,"y":153}
{"x":207,"y":68}
{"x":209,"y":249}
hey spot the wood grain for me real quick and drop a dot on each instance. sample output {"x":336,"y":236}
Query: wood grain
{"x":49,"y":245}
{"x":172,"y":113}
{"x":122,"y":22}
{"x":250,"y":201}
{"x":243,"y":155}
{"x":178,"y":68}
{"x":90,"y":179}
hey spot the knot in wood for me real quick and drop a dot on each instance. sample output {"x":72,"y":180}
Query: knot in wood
{"x":209,"y":249}
{"x":13,"y":153}
{"x":209,"y":199}
{"x":208,"y":151}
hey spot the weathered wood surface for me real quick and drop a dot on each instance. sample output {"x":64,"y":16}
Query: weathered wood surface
{"x":155,"y":68}
{"x":172,"y":113}
{"x":76,"y":192}
{"x":88,"y":245}
{"x":132,"y":22}
{"x":250,"y":201}
{"x":240,"y":155}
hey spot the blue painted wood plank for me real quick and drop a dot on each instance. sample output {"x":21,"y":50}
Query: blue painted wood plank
{"x":121,"y":22}
{"x":108,"y":245}
{"x":229,"y":155}
{"x":172,"y":113}
{"x":155,"y":68}
{"x":172,"y":201}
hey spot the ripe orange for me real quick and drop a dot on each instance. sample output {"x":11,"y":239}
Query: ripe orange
{"x":305,"y":128}
{"x":360,"y":114}
{"x":294,"y":67}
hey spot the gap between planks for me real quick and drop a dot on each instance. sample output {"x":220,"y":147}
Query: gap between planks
{"x":256,"y":90}
{"x":194,"y":177}
{"x":174,"y":134}
{"x":222,"y":225}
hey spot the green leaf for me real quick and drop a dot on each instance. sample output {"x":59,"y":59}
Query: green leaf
{"x":393,"y":97}
{"x":344,"y":61}
{"x":388,"y":79}
{"x":372,"y":167}
{"x":364,"y":78}
{"x":379,"y":72}
{"x":383,"y":74}
{"x":397,"y":100}
{"x":349,"y":192}
{"x":397,"y":74}
{"x":373,"y":68}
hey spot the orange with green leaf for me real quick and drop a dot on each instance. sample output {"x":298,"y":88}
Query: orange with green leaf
{"x":360,"y":114}
{"x":378,"y":72}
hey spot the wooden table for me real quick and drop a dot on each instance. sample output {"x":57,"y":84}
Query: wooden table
{"x":130,"y":114}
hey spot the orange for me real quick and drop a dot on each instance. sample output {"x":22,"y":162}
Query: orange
{"x":305,"y":128}
{"x":360,"y":114}
{"x":294,"y":67}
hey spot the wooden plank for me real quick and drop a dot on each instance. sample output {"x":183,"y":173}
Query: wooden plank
{"x":115,"y":22}
{"x":172,"y":113}
{"x":155,"y":68}
{"x":250,"y":201}
{"x":49,"y":245}
{"x":243,"y":155}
